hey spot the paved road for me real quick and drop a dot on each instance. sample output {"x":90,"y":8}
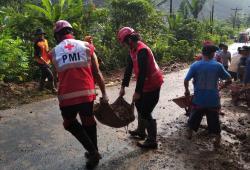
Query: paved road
{"x":32,"y":137}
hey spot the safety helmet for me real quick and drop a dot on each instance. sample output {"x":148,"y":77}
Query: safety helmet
{"x":123,"y":33}
{"x":207,"y":43}
{"x":60,"y":25}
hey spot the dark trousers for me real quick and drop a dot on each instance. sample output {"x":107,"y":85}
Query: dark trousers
{"x":212,"y":115}
{"x":86,"y":132}
{"x":234,"y":75}
{"x":226,"y":68}
{"x":146,"y":104}
{"x":45,"y":73}
{"x":85,"y":111}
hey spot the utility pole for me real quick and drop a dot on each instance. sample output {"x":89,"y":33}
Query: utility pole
{"x":235,"y":15}
{"x":212,"y":17}
{"x":171,"y":7}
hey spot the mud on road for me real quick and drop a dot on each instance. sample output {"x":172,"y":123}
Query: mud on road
{"x":32,"y":137}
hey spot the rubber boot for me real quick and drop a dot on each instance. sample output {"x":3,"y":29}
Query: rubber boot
{"x":150,"y":142}
{"x":52,"y":87}
{"x":93,"y":160}
{"x":81,"y":135}
{"x":140,"y":130}
{"x":92,"y":133}
{"x":41,"y":85}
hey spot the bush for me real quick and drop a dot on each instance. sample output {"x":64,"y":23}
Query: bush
{"x":170,"y":38}
{"x":182,"y":50}
{"x":14,"y":63}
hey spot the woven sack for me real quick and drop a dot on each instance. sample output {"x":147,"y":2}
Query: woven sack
{"x":117,"y":115}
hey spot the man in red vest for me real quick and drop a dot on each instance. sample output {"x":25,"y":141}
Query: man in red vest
{"x":149,"y":80}
{"x":77,"y":67}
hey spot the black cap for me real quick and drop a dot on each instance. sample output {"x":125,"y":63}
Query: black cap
{"x":221,"y":45}
{"x":209,"y":49}
{"x":245,"y":48}
{"x":39,"y":31}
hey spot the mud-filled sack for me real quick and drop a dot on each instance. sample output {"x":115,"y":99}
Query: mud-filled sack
{"x":117,"y":115}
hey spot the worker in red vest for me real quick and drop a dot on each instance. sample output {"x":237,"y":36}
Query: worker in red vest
{"x":77,"y":67}
{"x":149,"y":79}
{"x":41,"y":49}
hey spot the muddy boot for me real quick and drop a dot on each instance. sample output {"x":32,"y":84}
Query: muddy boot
{"x":81,"y":135}
{"x":52,"y":87}
{"x":140,"y":131}
{"x":93,"y":160}
{"x":41,"y":85}
{"x":150,"y":142}
{"x":92,"y":133}
{"x":87,"y":155}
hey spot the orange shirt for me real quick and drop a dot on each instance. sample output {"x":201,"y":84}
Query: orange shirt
{"x":43,"y":48}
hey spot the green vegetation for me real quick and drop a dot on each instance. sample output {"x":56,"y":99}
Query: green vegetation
{"x":175,"y":37}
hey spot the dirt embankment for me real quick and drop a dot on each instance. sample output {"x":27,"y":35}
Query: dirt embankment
{"x":12,"y":94}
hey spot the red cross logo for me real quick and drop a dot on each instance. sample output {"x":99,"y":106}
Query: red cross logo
{"x":69,"y":47}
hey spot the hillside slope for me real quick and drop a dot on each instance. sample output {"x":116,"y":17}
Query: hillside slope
{"x":222,"y":7}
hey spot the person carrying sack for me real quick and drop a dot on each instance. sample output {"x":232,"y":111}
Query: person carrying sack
{"x":77,"y":67}
{"x":149,"y":79}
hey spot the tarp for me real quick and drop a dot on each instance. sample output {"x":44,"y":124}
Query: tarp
{"x":117,"y":115}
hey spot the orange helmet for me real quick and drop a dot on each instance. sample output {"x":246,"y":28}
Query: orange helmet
{"x":123,"y":33}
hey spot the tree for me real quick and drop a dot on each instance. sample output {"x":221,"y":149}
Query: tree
{"x":63,"y":9}
{"x":195,"y":6}
{"x":183,"y":9}
{"x":174,"y":21}
{"x":130,"y":13}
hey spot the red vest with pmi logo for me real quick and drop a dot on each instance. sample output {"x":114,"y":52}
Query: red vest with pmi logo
{"x":72,"y":59}
{"x":154,"y":76}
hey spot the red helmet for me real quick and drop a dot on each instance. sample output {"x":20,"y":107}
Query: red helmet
{"x":124,"y":32}
{"x":61,"y":24}
{"x":207,"y":43}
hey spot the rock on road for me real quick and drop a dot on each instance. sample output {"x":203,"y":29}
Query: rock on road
{"x":32,"y":137}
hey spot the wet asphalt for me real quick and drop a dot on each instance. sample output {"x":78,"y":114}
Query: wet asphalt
{"x":32,"y":137}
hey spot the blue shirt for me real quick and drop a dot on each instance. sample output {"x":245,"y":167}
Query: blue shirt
{"x":247,"y":72}
{"x":205,"y":76}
